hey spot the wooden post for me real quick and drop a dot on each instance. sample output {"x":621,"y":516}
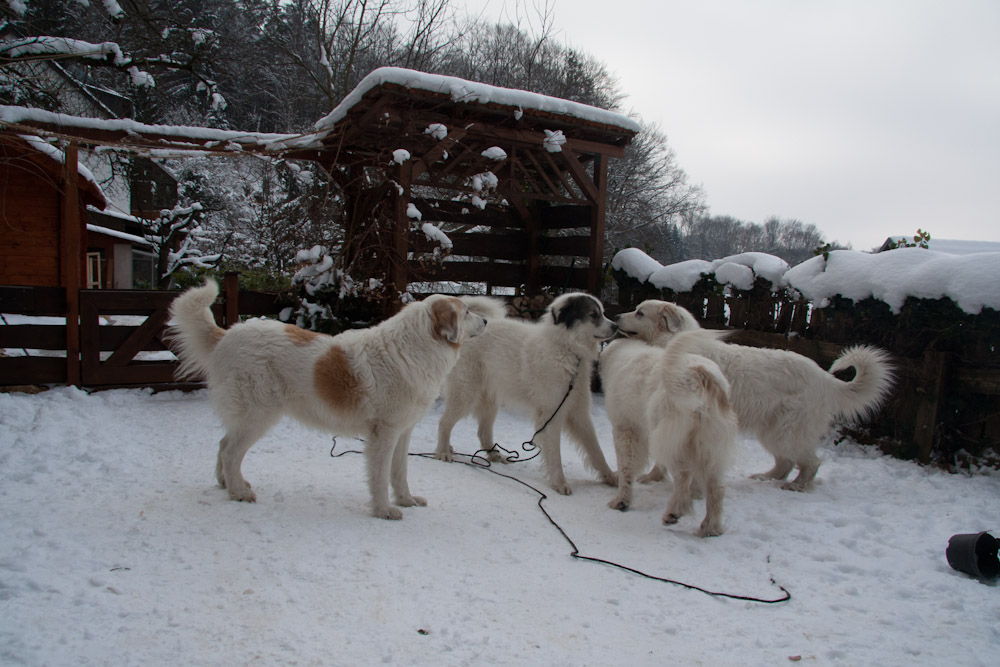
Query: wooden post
{"x":231,"y":293}
{"x":597,"y":214}
{"x":71,"y":261}
{"x":399,"y":251}
{"x":933,"y":382}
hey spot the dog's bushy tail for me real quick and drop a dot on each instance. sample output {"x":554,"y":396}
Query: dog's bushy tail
{"x":194,"y":333}
{"x":683,"y":360}
{"x":691,"y":341}
{"x":488,"y":307}
{"x":861,"y":397}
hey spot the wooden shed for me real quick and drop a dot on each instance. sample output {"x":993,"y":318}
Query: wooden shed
{"x":42,"y":242}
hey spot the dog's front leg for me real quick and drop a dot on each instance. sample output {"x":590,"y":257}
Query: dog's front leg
{"x":379,"y":449}
{"x":548,"y":441}
{"x":581,"y":428}
{"x":400,"y":487}
{"x":626,"y":443}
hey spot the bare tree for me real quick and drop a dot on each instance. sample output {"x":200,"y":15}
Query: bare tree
{"x":649,"y":197}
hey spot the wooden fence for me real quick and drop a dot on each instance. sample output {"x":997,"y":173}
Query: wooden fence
{"x":945,"y":407}
{"x":130,"y":354}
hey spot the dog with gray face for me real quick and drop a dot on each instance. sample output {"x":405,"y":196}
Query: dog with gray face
{"x":543,"y":369}
{"x":782,"y":398}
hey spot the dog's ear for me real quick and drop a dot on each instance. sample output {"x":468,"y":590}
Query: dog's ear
{"x":446,"y":318}
{"x":671,"y":318}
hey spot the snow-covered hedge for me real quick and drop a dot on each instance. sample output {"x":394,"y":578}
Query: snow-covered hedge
{"x":971,"y":281}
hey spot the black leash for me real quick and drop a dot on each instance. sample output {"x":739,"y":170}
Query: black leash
{"x":483,"y":462}
{"x":478,"y":461}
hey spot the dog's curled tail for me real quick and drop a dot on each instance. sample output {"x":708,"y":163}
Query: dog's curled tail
{"x":862,"y":396}
{"x":193,"y":330}
{"x":490,"y":308}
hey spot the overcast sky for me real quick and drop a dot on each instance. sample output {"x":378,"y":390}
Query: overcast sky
{"x":867,"y":118}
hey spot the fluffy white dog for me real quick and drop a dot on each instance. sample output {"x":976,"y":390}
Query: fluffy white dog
{"x":544,"y":368}
{"x":374,"y":383}
{"x":674,"y":405}
{"x":782,"y":398}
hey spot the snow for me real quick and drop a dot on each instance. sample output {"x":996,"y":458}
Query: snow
{"x":118,"y":548}
{"x":437,"y":131}
{"x":495,"y":153}
{"x":435,"y":234}
{"x":413,"y":212}
{"x":464,"y":91}
{"x":970,"y":280}
{"x":554,"y":141}
{"x":400,"y":155}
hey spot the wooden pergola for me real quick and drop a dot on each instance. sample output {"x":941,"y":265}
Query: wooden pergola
{"x":544,"y":225}
{"x":519,"y":189}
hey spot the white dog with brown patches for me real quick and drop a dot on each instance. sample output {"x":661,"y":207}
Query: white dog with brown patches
{"x":374,"y":383}
{"x":673,"y":405}
{"x":782,"y":398}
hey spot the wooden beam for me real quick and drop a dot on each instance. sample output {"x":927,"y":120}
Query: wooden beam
{"x":71,"y":260}
{"x":580,"y":175}
{"x":431,"y":157}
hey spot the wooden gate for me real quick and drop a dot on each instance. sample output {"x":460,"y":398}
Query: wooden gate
{"x":125,"y":354}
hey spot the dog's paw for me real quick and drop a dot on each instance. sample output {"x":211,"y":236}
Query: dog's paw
{"x":795,"y":486}
{"x":391,"y":513}
{"x":447,"y":455}
{"x":655,"y":475}
{"x":562,"y":489}
{"x":610,"y":478}
{"x":619,"y":504}
{"x":411,"y":501}
{"x":244,"y":495}
{"x":670,"y":518}
{"x":712,"y":530}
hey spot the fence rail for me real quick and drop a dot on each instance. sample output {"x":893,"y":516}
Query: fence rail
{"x":130,"y":354}
{"x":945,"y":406}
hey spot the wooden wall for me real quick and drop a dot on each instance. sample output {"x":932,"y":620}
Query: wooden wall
{"x":30,"y":201}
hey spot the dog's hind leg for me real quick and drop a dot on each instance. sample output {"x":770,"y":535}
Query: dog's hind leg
{"x":715,"y":492}
{"x":234,"y":446}
{"x":782,"y":466}
{"x":580,"y":428}
{"x":400,"y":487}
{"x":657,"y":473}
{"x":807,"y":473}
{"x":680,"y":500}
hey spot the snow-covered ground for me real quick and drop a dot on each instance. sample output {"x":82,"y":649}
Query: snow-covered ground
{"x":117,"y":548}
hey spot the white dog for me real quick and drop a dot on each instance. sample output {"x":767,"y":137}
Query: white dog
{"x":674,"y":405}
{"x":782,"y":398}
{"x":544,"y":368}
{"x":375,"y":383}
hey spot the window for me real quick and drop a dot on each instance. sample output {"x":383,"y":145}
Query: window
{"x":94,"y":260}
{"x":142,"y":269}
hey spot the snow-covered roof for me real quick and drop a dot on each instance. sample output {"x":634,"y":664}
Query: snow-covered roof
{"x":971,"y":281}
{"x":213,"y":137}
{"x":460,"y":90}
{"x":57,"y":157}
{"x":131,"y":238}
